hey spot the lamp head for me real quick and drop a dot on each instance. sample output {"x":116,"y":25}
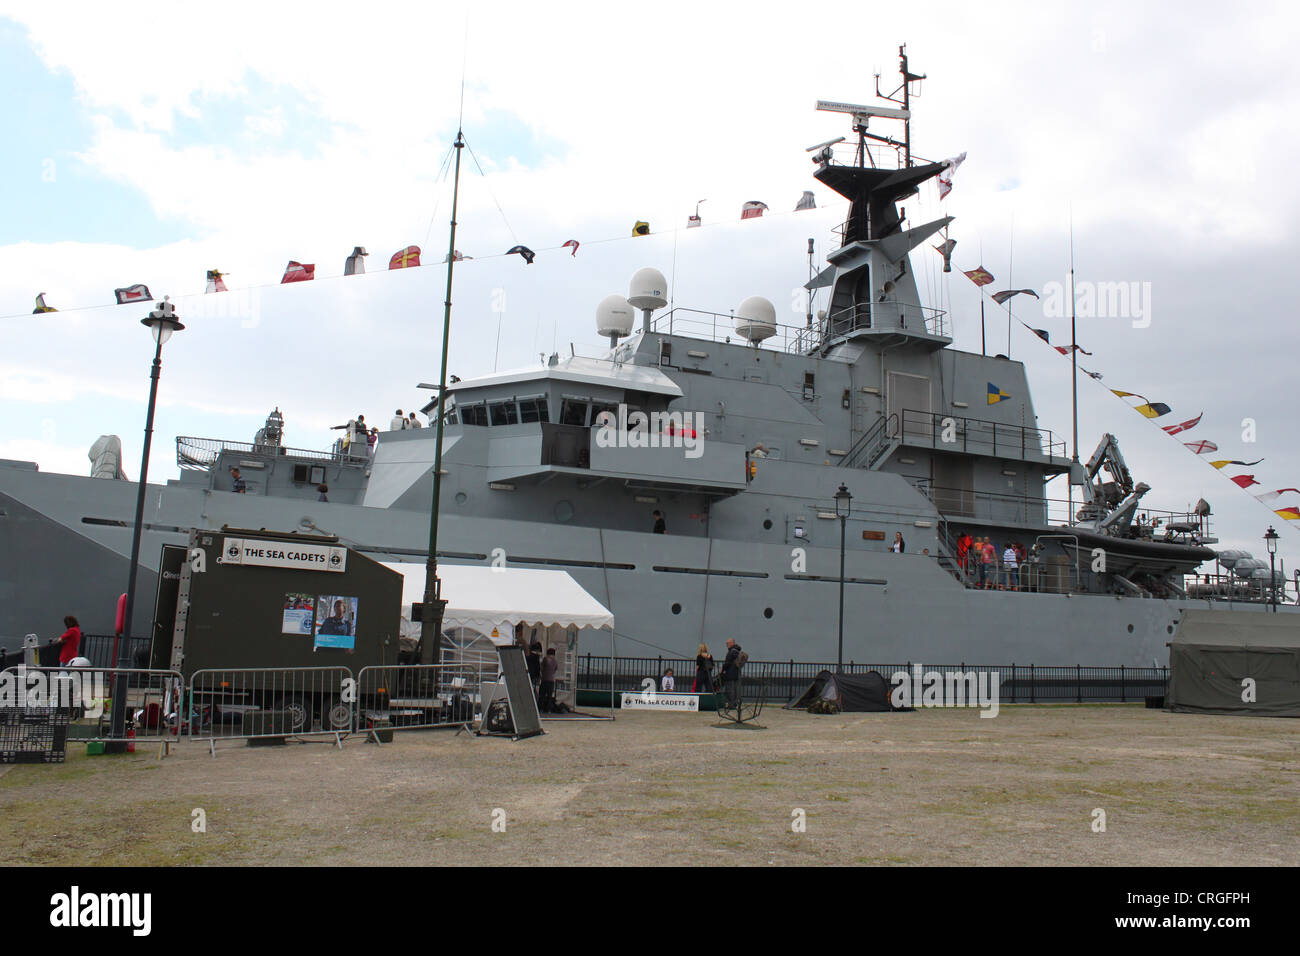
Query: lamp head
{"x":162,"y":321}
{"x":1270,"y":539}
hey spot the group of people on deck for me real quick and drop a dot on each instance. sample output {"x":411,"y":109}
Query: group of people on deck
{"x":986,"y":568}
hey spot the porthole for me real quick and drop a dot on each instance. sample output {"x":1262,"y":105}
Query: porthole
{"x":461,"y":497}
{"x":677,"y":608}
{"x":767,"y":524}
{"x":563,"y":510}
{"x":767,"y":613}
{"x":1170,"y":629}
{"x":1130,"y":628}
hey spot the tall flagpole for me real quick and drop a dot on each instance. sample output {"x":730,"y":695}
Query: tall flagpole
{"x":434,"y":606}
{"x":1074,"y":369}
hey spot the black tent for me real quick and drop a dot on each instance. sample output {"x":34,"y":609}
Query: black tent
{"x":854,"y":693}
{"x":1235,"y":662}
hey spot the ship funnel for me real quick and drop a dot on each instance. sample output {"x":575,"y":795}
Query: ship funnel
{"x":614,"y":318}
{"x":756,"y":319}
{"x":648,"y":292}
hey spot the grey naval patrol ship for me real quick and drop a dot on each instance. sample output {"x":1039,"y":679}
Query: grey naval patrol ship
{"x":740,"y":432}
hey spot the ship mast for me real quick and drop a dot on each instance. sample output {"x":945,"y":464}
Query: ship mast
{"x":431,"y":615}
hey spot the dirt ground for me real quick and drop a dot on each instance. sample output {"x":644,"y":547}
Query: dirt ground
{"x":930,"y":787}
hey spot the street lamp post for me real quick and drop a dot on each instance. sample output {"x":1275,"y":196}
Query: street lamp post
{"x":161,"y":322}
{"x":843,"y":504}
{"x":1270,"y":539}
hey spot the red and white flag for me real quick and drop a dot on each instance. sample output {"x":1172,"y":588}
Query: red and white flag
{"x":1274,"y":495}
{"x":945,"y":174}
{"x":752,"y":209}
{"x":1201,"y":447}
{"x":1244,"y":481}
{"x":571,"y":244}
{"x":297,"y":272}
{"x":1190,"y":423}
{"x":215,"y":283}
{"x":133,"y":293}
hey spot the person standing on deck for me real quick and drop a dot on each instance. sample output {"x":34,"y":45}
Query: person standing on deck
{"x":989,"y":571}
{"x":1010,"y":566}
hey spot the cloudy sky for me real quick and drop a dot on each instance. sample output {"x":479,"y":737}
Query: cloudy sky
{"x":151,"y":142}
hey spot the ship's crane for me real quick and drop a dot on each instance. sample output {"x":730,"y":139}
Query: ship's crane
{"x":1109,"y":506}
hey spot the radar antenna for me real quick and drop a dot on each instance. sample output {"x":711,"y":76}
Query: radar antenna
{"x":862,"y":114}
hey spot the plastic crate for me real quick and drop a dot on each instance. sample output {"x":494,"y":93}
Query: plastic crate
{"x":33,"y":734}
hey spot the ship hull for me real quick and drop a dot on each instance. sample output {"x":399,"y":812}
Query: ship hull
{"x":67,"y":541}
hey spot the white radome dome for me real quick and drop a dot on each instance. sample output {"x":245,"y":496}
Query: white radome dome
{"x":614,"y":316}
{"x":756,"y":319}
{"x":648,"y":291}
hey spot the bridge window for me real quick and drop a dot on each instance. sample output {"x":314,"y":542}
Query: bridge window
{"x":533,"y":409}
{"x":573,"y":412}
{"x":504,"y":413}
{"x":474,"y":414}
{"x":809,"y":386}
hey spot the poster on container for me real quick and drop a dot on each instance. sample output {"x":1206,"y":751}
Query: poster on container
{"x":298,"y":614}
{"x":336,"y":622}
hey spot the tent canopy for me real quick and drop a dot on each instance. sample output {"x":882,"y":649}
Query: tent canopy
{"x":1235,"y":662}
{"x":852,"y":693}
{"x":482,"y":598}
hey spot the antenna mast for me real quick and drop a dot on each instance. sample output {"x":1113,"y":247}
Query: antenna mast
{"x":906,"y":102}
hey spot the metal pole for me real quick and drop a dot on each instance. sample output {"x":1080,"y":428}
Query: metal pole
{"x":117,"y":726}
{"x":1074,"y":378}
{"x":839,"y":656}
{"x":431,"y":637}
{"x":1272,"y":582}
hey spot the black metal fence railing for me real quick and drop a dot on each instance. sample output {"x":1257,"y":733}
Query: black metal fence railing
{"x":100,"y":649}
{"x":1017,"y":683}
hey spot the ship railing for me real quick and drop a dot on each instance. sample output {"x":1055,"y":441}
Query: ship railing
{"x":788,"y":680}
{"x":945,"y":432}
{"x":890,"y":315}
{"x":1036,"y":509}
{"x":203,"y":453}
{"x":1231,"y":588}
{"x":721,"y":327}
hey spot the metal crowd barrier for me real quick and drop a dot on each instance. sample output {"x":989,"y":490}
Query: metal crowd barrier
{"x":153,"y":703}
{"x":419,"y":696}
{"x":255,"y":703}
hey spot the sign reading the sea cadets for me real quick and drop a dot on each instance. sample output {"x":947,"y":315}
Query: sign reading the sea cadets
{"x":282,"y":554}
{"x":640,"y":700}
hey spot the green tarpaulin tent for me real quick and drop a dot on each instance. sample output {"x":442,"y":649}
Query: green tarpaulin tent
{"x":1235,"y":662}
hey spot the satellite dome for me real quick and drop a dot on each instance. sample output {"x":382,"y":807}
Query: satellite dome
{"x":1231,"y":557}
{"x":79,"y":662}
{"x":756,"y":319}
{"x":614,"y":316}
{"x":649,"y":290}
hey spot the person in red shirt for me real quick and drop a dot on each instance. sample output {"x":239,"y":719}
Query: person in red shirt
{"x":963,"y":550}
{"x":70,"y":641}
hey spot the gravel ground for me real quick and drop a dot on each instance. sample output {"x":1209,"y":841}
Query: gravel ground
{"x":930,"y":787}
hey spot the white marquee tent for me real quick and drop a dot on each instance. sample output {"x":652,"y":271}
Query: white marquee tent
{"x":484,"y":604}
